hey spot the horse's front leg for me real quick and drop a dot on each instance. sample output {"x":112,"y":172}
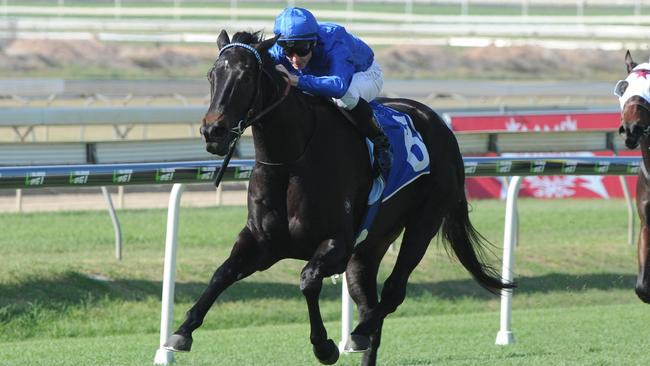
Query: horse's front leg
{"x":643,"y":279}
{"x":329,"y":259}
{"x":246,"y":257}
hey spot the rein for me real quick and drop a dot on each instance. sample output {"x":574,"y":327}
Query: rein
{"x":246,"y":122}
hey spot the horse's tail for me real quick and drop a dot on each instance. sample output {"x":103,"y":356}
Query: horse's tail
{"x":469,"y":246}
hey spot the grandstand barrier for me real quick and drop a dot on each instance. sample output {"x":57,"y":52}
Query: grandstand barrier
{"x":180,"y":173}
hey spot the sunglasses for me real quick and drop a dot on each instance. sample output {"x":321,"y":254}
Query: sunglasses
{"x":299,"y":48}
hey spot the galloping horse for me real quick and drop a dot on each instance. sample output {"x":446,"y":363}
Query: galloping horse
{"x":308,"y":193}
{"x":634,"y":96}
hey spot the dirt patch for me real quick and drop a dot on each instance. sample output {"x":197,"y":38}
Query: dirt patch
{"x":52,"y":56}
{"x":110,"y":60}
{"x":24,"y":55}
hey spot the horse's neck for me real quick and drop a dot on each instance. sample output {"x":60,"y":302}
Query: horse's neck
{"x":283,"y":134}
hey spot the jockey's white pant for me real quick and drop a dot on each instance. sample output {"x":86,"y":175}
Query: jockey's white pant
{"x":365,"y":84}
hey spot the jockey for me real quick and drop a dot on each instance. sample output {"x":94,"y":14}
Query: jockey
{"x":324,"y":59}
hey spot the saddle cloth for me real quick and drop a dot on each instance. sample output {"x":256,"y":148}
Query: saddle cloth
{"x":410,"y":160}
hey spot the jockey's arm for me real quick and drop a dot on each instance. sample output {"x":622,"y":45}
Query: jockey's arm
{"x":336,"y":83}
{"x":339,"y":74}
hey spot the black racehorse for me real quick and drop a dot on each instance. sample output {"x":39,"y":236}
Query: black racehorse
{"x":308,"y":192}
{"x":635,"y":125}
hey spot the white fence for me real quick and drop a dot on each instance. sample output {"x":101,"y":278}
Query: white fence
{"x":464,"y":6}
{"x":170,"y":21}
{"x":22,"y":120}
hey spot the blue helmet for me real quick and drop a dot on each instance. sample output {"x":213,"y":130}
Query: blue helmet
{"x":296,"y":24}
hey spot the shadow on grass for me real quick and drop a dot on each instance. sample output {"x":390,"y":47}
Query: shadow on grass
{"x":75,"y":289}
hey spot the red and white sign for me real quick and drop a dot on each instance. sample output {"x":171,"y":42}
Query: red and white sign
{"x":546,"y":186}
{"x":537,"y":122}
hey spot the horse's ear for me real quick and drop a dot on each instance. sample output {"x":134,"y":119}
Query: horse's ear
{"x":264,"y":46}
{"x":629,"y":63}
{"x":223,"y":39}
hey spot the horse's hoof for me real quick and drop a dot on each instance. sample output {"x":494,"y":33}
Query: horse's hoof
{"x":357,"y":343}
{"x":327,"y":352}
{"x":178,"y":343}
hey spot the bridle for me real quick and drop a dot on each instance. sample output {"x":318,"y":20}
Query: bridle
{"x":251,"y":116}
{"x":642,"y":103}
{"x":645,"y":105}
{"x":637,"y":97}
{"x":630,"y":92}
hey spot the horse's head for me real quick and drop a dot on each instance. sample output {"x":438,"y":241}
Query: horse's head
{"x":235,"y":87}
{"x":633,"y":94}
{"x":635,"y":121}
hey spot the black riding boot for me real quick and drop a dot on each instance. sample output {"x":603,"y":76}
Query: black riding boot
{"x":366,"y":123}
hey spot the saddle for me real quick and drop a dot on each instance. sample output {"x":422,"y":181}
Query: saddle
{"x":410,"y":160}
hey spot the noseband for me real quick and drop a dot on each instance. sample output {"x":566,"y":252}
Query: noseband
{"x":250,"y":117}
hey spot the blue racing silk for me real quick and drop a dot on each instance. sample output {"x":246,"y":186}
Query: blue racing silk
{"x":337,"y":56}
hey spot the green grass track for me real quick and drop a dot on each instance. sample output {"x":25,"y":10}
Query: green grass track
{"x":65,"y":300}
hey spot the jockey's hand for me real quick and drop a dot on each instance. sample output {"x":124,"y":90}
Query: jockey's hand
{"x":293,"y":79}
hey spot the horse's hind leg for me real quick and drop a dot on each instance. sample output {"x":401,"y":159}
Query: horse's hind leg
{"x":417,"y":235}
{"x":330,"y":258}
{"x":246,"y":257}
{"x":361,"y":275}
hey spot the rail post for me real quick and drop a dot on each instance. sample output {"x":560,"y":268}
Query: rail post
{"x":505,"y":335}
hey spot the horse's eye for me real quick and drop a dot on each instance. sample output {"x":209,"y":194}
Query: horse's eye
{"x":209,"y":75}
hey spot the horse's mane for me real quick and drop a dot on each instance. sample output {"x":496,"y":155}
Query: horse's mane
{"x":250,"y":38}
{"x":255,"y":39}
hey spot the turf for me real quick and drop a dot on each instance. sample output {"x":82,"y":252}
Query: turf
{"x":66,"y":300}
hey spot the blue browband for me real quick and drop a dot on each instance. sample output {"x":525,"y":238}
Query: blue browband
{"x":246,"y":46}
